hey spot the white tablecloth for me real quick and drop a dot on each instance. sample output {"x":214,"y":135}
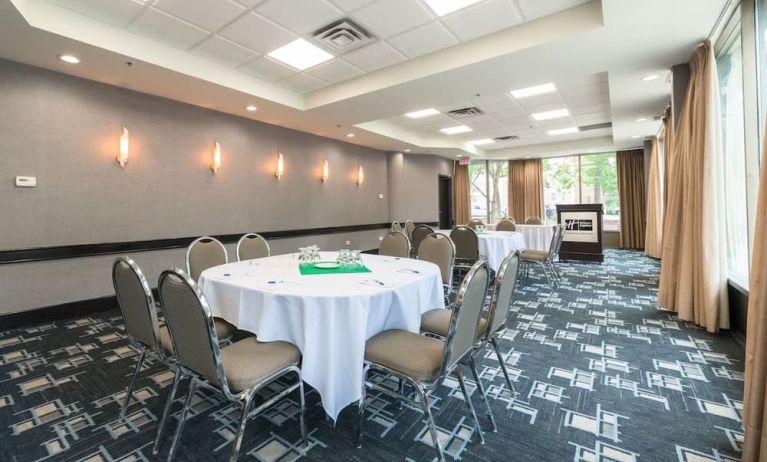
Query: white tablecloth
{"x":496,"y":245}
{"x":537,"y":237}
{"x":328,"y":317}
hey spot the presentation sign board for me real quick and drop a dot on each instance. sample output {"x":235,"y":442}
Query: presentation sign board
{"x":583,"y":231}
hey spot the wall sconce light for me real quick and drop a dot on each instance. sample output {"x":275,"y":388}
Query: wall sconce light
{"x":215,"y":164}
{"x":360,"y":175}
{"x":325,"y":172}
{"x":122,"y":154}
{"x":280,"y":166}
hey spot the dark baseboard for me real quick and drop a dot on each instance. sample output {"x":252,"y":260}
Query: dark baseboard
{"x":56,"y":312}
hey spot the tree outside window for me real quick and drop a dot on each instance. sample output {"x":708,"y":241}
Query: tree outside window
{"x":489,"y":190}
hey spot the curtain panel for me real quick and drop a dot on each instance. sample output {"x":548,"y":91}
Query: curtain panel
{"x":525,"y":189}
{"x":693,"y":280}
{"x":632,"y":197}
{"x":668,"y":146}
{"x":654,"y":221}
{"x":461,"y":195}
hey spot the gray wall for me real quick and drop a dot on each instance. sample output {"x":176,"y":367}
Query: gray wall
{"x":413,"y":186}
{"x":65,"y":130}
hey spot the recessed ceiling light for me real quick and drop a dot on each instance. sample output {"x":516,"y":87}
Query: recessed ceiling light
{"x":532,"y":91}
{"x":350,"y":135}
{"x":301,"y":54}
{"x":71,"y":59}
{"x":642,"y":119}
{"x":527,"y":157}
{"x":422,"y":113}
{"x":636,"y":136}
{"x":251,"y":108}
{"x":563,"y":131}
{"x":548,"y":115}
{"x":481,"y":141}
{"x":458,"y":155}
{"x":650,"y":77}
{"x":455,"y":130}
{"x":443,"y":7}
{"x":407,"y":150}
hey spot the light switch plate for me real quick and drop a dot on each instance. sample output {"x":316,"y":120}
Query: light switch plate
{"x":380,"y":196}
{"x":26,"y":181}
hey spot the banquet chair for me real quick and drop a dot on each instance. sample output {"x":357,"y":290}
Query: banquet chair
{"x":203,"y":253}
{"x":511,"y":219}
{"x":419,"y":232}
{"x":440,"y":250}
{"x":252,"y":246}
{"x":474,"y":222}
{"x":137,"y":306}
{"x":466,"y":246}
{"x":425,"y":362}
{"x":237,"y":372}
{"x":533,"y":221}
{"x":409,"y":227}
{"x":505,"y":225}
{"x":395,"y":244}
{"x":545,"y":258}
{"x":396,"y":226}
{"x":437,"y":323}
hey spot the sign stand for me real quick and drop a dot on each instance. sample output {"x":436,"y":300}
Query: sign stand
{"x":583,"y":231}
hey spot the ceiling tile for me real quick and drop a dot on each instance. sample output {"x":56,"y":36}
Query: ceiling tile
{"x":257,"y":33}
{"x":302,"y":83}
{"x":299,"y":16}
{"x":249,"y":3}
{"x":385,"y":18}
{"x":533,"y":9}
{"x":224,"y":52}
{"x":116,"y":12}
{"x":351,"y":5}
{"x":334,"y":71}
{"x":266,"y":69}
{"x":208,"y":15}
{"x":482,"y":19}
{"x":423,"y":39}
{"x":165,"y":28}
{"x":374,"y":56}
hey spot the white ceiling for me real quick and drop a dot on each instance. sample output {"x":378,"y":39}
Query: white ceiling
{"x":211,"y":53}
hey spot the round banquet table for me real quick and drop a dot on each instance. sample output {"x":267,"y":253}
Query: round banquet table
{"x":329,"y":317}
{"x":537,"y":237}
{"x":496,"y":245}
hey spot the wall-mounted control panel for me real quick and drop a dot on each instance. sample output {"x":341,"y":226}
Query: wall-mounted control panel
{"x":26,"y":181}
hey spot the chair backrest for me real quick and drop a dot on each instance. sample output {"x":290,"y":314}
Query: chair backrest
{"x":474,"y":222}
{"x":464,"y":322}
{"x":420,"y":232}
{"x":395,"y":244}
{"x":511,"y":219}
{"x":409,"y":227}
{"x":533,"y":221}
{"x":466,"y":243}
{"x":503,"y":291}
{"x":395,"y":226}
{"x":555,"y":241}
{"x":136,"y":304}
{"x":252,"y":246}
{"x":440,"y":250}
{"x":191,"y":326}
{"x":505,"y":225}
{"x":561,"y":230}
{"x":203,"y":253}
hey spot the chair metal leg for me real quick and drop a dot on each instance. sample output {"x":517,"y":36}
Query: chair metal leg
{"x":548,"y":278}
{"x":241,"y":427}
{"x":182,"y":420}
{"x":473,"y":367}
{"x":129,"y":393}
{"x":168,"y":404}
{"x":467,"y":399}
{"x":361,"y":410}
{"x":502,"y":363}
{"x":303,"y":411}
{"x":430,"y":418}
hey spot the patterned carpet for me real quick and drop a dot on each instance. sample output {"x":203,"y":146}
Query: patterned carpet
{"x":602,"y":375}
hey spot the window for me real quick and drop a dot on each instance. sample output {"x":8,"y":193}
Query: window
{"x":489,"y":190}
{"x":583,"y":179}
{"x":729,"y":64}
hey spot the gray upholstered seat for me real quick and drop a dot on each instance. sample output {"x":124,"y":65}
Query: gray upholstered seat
{"x":248,"y":361}
{"x":466,"y":246}
{"x":165,"y":340}
{"x":419,"y":232}
{"x":409,"y":227}
{"x":474,"y":222}
{"x":394,"y":244}
{"x":505,"y":225}
{"x":545,"y":259}
{"x":395,"y":349}
{"x":438,"y":322}
{"x":439,"y":249}
{"x":251,"y":246}
{"x":537,"y":255}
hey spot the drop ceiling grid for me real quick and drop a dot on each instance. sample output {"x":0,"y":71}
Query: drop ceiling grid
{"x":239,"y":33}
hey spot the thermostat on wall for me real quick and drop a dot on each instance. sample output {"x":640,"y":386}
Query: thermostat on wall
{"x":26,"y":181}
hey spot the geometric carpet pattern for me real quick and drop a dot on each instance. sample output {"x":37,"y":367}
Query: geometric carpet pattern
{"x":601,"y":375}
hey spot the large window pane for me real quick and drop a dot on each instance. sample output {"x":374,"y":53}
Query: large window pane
{"x":599,"y":185}
{"x":478,"y":190}
{"x":498,"y":199}
{"x":560,"y":184}
{"x":730,"y":72}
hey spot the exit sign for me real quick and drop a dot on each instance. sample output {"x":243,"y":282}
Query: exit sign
{"x":464,"y":161}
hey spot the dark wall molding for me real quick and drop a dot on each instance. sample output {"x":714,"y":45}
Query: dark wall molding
{"x":48,"y":314}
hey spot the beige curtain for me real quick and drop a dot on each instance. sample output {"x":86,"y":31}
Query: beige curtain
{"x":654,"y":222}
{"x":632,"y":197}
{"x":668,"y":146}
{"x":461,"y":196}
{"x":693,"y":280}
{"x":525,"y":189}
{"x":754,"y":412}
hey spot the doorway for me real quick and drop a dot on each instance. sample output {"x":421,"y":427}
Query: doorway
{"x":445,"y":202}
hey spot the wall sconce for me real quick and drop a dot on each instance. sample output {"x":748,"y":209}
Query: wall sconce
{"x":325,"y":172}
{"x":215,"y":164}
{"x":280,"y":166}
{"x":122,"y":154}
{"x":360,"y":175}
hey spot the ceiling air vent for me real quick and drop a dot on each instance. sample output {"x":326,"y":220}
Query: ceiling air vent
{"x":584,"y":128}
{"x":507,"y":138}
{"x":343,"y":36}
{"x":465,"y":113}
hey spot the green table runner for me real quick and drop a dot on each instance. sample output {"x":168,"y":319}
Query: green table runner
{"x":308,"y":269}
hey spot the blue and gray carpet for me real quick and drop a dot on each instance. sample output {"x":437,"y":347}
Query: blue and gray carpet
{"x":602,"y":375}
